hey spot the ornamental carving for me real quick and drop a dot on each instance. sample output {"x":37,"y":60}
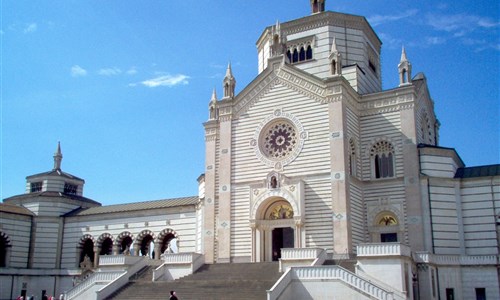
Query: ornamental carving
{"x":278,"y":140}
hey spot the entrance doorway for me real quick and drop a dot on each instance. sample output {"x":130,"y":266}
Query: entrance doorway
{"x":282,"y":238}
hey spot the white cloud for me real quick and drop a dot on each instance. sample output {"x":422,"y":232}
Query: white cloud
{"x":459,"y":24}
{"x":109,"y":71}
{"x":77,"y":71}
{"x":435,"y":40}
{"x":380,"y":19}
{"x":131,"y":71}
{"x":30,"y":28}
{"x":166,"y":80}
{"x":390,"y":42}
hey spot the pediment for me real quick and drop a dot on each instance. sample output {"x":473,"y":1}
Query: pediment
{"x":289,"y":76}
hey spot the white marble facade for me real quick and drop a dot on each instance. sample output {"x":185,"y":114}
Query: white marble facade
{"x":311,"y":154}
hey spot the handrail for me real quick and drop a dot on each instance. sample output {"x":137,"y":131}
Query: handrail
{"x":90,"y":281}
{"x":331,"y":273}
{"x":121,"y":280}
{"x":280,"y":286}
{"x":339,"y":273}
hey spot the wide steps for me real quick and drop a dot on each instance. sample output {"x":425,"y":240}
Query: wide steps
{"x":218,"y":281}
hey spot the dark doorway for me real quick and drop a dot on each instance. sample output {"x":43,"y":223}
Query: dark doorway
{"x":388,"y":237}
{"x":282,"y":238}
{"x":106,"y":247}
{"x":146,"y":245}
{"x":87,"y":250}
{"x":3,"y":252}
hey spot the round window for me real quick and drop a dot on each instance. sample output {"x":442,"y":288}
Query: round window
{"x":278,"y":139}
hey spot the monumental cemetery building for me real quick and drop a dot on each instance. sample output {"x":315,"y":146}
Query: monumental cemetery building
{"x":311,"y":162}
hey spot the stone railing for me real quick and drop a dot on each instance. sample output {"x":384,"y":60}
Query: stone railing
{"x":300,"y":253}
{"x":280,"y":286}
{"x":383,"y":249}
{"x":123,"y":279}
{"x":455,"y":260}
{"x":297,"y":257}
{"x":113,"y":260}
{"x":96,"y":278}
{"x":324,"y":274}
{"x":177,"y":265}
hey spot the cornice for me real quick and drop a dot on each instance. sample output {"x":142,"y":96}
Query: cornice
{"x":327,"y":18}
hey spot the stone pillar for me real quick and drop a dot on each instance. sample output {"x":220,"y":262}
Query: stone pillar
{"x":96,"y":257}
{"x":157,"y":250}
{"x":341,"y":208}
{"x":208,"y":231}
{"x":224,"y":171}
{"x":411,"y":172}
{"x":116,"y":249}
{"x":253,"y":242}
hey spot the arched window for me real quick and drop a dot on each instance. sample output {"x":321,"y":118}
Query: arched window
{"x":87,"y":250}
{"x":106,"y":247}
{"x":302,"y":54}
{"x":289,"y":55}
{"x":405,"y":76}
{"x":295,"y":57}
{"x":387,"y":225}
{"x":309,"y":52}
{"x":334,"y":67}
{"x":382,"y":155}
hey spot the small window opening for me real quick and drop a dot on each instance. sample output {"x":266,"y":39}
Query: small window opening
{"x":302,"y":54}
{"x":70,"y":188}
{"x":36,"y":186}
{"x":295,"y":57}
{"x":309,"y":52}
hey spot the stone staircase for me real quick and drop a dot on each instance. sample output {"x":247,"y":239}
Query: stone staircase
{"x":246,"y":281}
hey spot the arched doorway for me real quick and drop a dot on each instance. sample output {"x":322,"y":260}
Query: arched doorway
{"x":273,"y":229}
{"x":123,"y":244}
{"x":166,"y":242}
{"x":144,"y":245}
{"x":4,"y":250}
{"x":106,"y":247}
{"x":86,"y":249}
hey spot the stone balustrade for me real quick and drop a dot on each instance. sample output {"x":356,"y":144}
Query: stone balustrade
{"x":113,"y":260}
{"x":455,"y":260}
{"x":328,"y":273}
{"x":383,"y":249}
{"x":96,"y":278}
{"x":300,"y":253}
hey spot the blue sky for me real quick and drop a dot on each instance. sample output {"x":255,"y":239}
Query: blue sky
{"x":125,"y":85}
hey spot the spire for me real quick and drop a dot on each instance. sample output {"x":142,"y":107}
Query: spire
{"x":229,"y":72}
{"x":404,"y":69}
{"x":335,"y":59}
{"x":214,"y":97}
{"x":229,"y":83}
{"x":212,"y":107}
{"x":403,"y":55}
{"x":58,"y":157}
{"x":317,"y":6}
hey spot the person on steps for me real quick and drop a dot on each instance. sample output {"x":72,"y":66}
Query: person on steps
{"x":173,"y":296}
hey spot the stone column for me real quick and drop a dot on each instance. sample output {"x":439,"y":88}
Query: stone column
{"x":157,"y":250}
{"x":96,"y":257}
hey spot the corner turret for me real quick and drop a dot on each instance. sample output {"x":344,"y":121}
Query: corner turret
{"x":229,"y":83}
{"x":404,"y":69}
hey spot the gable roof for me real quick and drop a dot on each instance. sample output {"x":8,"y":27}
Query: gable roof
{"x":136,"y":206}
{"x":15,"y":209}
{"x":55,"y":173}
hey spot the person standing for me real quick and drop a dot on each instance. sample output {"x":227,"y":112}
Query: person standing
{"x":173,"y":296}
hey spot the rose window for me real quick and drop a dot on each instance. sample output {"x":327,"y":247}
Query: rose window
{"x":279,"y":139}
